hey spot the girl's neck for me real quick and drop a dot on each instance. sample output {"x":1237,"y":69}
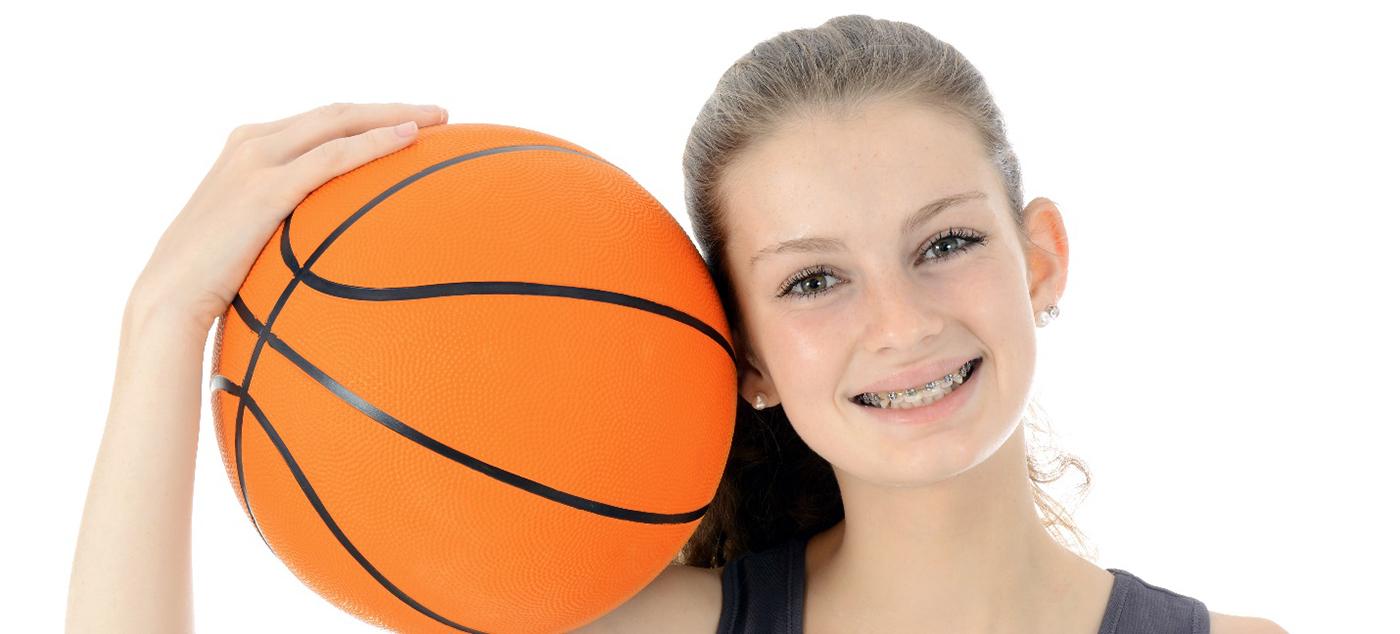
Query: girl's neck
{"x":968,"y":554}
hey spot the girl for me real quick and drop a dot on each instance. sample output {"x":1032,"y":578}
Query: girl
{"x":860,"y":208}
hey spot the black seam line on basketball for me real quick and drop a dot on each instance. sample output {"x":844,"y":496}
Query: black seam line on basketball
{"x":315,"y":500}
{"x":298,"y":272}
{"x":347,"y":291}
{"x":334,"y":235}
{"x":449,"y":289}
{"x":220,"y":382}
{"x":247,"y":382}
{"x":432,"y":444}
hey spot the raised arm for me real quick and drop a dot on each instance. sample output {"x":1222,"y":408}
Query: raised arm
{"x":131,"y":570}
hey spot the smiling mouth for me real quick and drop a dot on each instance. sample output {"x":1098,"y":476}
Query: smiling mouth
{"x":916,"y":396}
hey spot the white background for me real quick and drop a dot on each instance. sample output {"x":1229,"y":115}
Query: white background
{"x":1226,"y":357}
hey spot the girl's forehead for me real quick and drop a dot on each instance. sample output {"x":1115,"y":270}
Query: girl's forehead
{"x":791,"y":197}
{"x":856,"y":163}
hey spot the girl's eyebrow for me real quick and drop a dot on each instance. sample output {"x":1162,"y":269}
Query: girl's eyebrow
{"x":821,"y":243}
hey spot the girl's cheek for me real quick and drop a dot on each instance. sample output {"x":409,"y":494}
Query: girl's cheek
{"x":820,"y":318}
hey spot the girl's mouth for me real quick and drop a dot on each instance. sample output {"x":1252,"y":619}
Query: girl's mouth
{"x":920,"y":396}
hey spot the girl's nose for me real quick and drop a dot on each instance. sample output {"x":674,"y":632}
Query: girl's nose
{"x":898,"y":318}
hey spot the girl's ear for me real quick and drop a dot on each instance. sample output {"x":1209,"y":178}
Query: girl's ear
{"x":1047,"y":255}
{"x":754,"y":379}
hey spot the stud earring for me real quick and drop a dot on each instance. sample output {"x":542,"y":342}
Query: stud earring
{"x":758,"y":401}
{"x":1042,"y":318}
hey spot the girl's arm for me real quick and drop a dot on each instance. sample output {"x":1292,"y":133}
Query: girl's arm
{"x":131,"y":571}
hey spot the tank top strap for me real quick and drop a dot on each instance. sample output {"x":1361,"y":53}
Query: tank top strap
{"x":1138,"y":607}
{"x":762,"y":591}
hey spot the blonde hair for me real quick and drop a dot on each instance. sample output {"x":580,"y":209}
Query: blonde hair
{"x":774,"y":487}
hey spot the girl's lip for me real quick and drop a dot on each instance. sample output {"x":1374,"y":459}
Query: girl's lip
{"x":921,"y":375}
{"x":933,"y":412}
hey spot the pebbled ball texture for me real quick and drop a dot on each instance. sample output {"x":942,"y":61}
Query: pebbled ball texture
{"x":481,"y":384}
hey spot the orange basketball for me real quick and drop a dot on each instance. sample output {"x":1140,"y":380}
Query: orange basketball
{"x":481,"y":384}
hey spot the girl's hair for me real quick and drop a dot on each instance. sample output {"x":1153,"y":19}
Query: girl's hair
{"x":774,"y":487}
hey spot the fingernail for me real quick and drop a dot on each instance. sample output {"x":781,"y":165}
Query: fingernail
{"x":406,"y":128}
{"x":444,"y":116}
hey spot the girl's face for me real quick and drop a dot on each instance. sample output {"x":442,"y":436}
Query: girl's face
{"x":869,"y":296}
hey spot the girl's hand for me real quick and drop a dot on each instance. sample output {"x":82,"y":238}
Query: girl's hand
{"x":263,"y":173}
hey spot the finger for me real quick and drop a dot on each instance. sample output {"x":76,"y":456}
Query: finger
{"x":264,"y":128}
{"x":313,"y":129}
{"x":340,"y":155}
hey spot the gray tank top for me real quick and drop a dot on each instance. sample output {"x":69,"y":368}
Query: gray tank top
{"x":762,"y":594}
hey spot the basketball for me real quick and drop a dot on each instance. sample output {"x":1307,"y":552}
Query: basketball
{"x":481,"y":384}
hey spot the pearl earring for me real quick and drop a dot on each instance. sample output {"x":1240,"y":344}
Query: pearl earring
{"x":1042,"y":318}
{"x":758,"y":401}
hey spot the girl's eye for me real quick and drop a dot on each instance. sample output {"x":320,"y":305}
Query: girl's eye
{"x":811,"y":279}
{"x":971,"y":239}
{"x":806,"y":280}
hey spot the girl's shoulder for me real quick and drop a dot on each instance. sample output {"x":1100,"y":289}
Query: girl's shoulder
{"x":1135,"y":603}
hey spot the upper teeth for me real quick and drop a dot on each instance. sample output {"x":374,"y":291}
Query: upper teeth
{"x":944,"y":384}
